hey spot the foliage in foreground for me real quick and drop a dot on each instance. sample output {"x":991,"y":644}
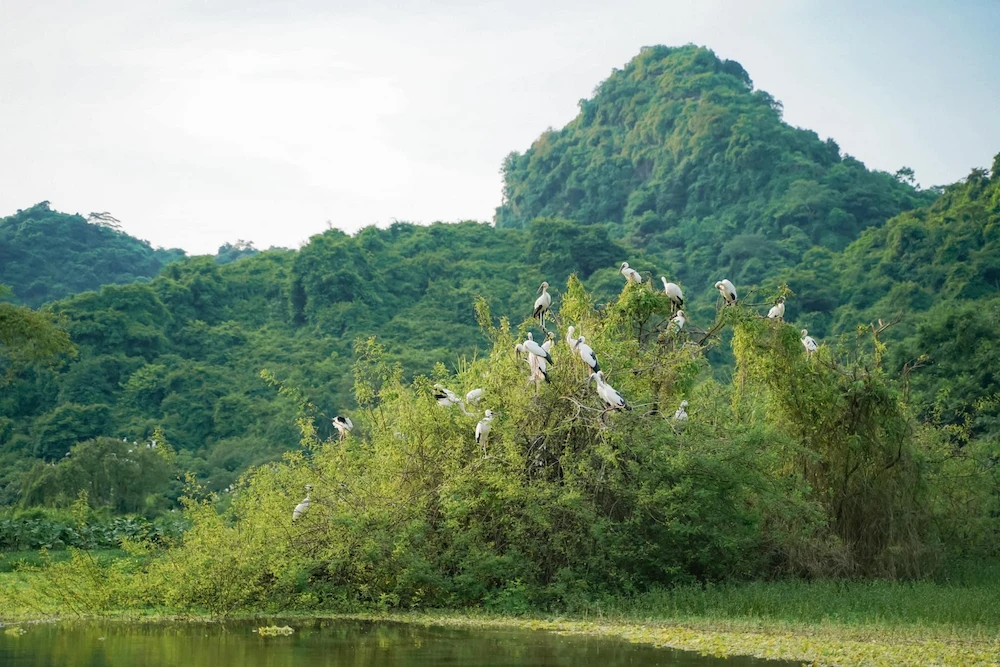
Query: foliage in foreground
{"x":804,"y":466}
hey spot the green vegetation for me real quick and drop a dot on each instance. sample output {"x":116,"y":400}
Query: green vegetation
{"x":211,"y":387}
{"x":803,"y":465}
{"x":48,"y":255}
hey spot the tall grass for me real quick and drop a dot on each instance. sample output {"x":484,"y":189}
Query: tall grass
{"x":968,"y":596}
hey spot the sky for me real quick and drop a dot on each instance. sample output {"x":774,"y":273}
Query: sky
{"x":198,"y":123}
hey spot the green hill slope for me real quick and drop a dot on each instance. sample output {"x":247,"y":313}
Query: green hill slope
{"x":46,"y":255}
{"x":676,"y":165}
{"x":688,"y":161}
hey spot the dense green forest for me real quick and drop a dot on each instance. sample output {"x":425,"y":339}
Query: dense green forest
{"x":46,"y":255}
{"x":676,"y":165}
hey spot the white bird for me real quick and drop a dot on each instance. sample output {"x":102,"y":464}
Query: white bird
{"x":631,"y":275}
{"x":608,"y":394}
{"x":674,"y":293}
{"x":536,"y":364}
{"x":572,"y":342}
{"x":539,"y":370}
{"x":809,"y":343}
{"x":539,"y":367}
{"x":534,"y":348}
{"x":542,"y":303}
{"x":302,"y":507}
{"x":343,"y":425}
{"x":681,"y":414}
{"x":777,"y":311}
{"x":678,"y":321}
{"x":445,"y":397}
{"x":483,"y":430}
{"x":727,"y":290}
{"x":587,"y":354}
{"x":474,"y":396}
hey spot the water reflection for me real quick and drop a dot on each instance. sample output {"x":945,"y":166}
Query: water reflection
{"x":325,"y":643}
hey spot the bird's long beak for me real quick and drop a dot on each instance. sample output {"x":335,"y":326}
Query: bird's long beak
{"x":539,"y":290}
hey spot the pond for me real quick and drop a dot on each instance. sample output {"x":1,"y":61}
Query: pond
{"x":326,"y":642}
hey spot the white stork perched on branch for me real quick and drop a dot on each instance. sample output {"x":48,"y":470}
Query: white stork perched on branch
{"x":678,"y":321}
{"x":777,"y":311}
{"x":587,"y":354}
{"x":809,"y":343}
{"x":608,"y":394}
{"x":302,"y":507}
{"x":674,"y":293}
{"x":727,"y":290}
{"x":631,"y":275}
{"x":483,"y":430}
{"x":343,"y":425}
{"x":542,"y":303}
{"x":534,"y":348}
{"x":445,"y":397}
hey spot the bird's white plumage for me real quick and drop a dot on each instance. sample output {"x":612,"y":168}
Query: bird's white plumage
{"x":343,"y":425}
{"x":483,"y":429}
{"x":727,"y":289}
{"x":681,"y":414}
{"x":777,"y":311}
{"x":587,"y":354}
{"x":474,"y":396}
{"x":542,"y":303}
{"x":678,"y":321}
{"x":534,"y":348}
{"x":673,"y":292}
{"x":809,"y":342}
{"x":609,"y":394}
{"x":302,"y":507}
{"x":631,"y":275}
{"x":445,"y":397}
{"x":572,"y":342}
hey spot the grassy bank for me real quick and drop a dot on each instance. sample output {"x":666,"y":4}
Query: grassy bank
{"x":955,"y":620}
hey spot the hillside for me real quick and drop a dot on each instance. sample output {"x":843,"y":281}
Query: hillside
{"x":46,"y":255}
{"x":729,"y":190}
{"x":686,"y":160}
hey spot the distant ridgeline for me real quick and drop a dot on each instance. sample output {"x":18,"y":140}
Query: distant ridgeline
{"x":47,"y":255}
{"x":676,"y":165}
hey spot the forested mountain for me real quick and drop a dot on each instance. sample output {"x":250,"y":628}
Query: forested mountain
{"x":46,"y":255}
{"x":676,"y":165}
{"x":688,"y":161}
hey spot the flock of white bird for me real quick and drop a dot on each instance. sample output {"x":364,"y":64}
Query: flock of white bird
{"x":539,"y":358}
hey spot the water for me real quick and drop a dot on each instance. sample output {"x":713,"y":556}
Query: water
{"x":325,"y":642}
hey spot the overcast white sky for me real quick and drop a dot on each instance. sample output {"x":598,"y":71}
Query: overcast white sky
{"x":201,"y":122}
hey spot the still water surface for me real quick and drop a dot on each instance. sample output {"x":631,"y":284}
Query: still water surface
{"x":327,"y":643}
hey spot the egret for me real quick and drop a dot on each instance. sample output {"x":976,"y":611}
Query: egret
{"x":302,"y":507}
{"x":631,"y":275}
{"x":474,"y":396}
{"x":678,"y":321}
{"x":727,"y":290}
{"x":587,"y":354}
{"x":572,"y":342}
{"x":542,"y":303}
{"x":809,"y":343}
{"x":445,"y":397}
{"x":608,"y":394}
{"x":343,"y":425}
{"x":674,"y":293}
{"x":483,"y":430}
{"x":681,"y":414}
{"x":777,"y":311}
{"x":534,"y":348}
